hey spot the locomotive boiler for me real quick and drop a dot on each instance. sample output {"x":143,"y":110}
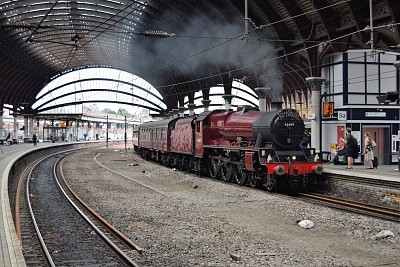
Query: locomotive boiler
{"x":246,"y":146}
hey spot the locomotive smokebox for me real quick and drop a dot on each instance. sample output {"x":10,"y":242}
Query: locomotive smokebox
{"x":284,"y":128}
{"x":262,"y":93}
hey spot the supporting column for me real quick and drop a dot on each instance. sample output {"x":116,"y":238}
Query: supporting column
{"x":175,"y":112}
{"x":315,"y":83}
{"x":206,"y":104}
{"x":397,"y":66}
{"x":228,"y":101}
{"x":26,"y":126}
{"x":1,"y":123}
{"x":191,"y":107}
{"x":15,"y":132}
{"x":262,"y":93}
{"x":181,"y":111}
{"x":31,"y":127}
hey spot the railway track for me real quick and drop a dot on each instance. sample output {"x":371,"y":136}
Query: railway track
{"x":370,"y":210}
{"x":56,"y":228}
{"x":394,"y":185}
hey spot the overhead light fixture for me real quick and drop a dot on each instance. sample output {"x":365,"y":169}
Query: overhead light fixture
{"x":23,"y":26}
{"x":389,"y":97}
{"x":157,"y":34}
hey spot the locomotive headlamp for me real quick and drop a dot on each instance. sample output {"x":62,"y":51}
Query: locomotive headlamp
{"x":318,"y":169}
{"x":279,"y":170}
{"x":294,"y":157}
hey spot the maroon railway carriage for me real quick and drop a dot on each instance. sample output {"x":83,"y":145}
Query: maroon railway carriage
{"x":243,"y":146}
{"x":155,"y":138}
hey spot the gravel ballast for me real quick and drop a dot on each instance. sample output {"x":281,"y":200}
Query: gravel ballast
{"x":180,"y":219}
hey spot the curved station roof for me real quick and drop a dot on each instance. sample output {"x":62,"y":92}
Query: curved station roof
{"x":184,"y":47}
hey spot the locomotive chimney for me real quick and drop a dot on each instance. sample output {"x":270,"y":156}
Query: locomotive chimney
{"x":275,"y":97}
{"x":276,"y":105}
{"x":228,"y":101}
{"x":262,"y":93}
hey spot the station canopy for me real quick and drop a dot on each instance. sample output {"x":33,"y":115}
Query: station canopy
{"x":184,"y":48}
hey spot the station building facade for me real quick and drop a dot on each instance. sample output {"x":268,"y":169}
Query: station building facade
{"x":353,"y":81}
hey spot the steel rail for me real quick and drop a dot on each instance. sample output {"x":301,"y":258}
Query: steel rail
{"x":17,"y":197}
{"x":380,"y":212}
{"x":111,"y":244}
{"x":104,"y":222}
{"x":38,"y":233}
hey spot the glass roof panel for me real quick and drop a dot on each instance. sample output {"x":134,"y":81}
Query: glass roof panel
{"x":99,"y":85}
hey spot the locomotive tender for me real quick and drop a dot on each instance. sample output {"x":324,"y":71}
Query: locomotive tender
{"x":243,"y":146}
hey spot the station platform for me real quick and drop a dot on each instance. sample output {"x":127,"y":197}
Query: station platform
{"x":383,"y":172}
{"x":11,"y":249}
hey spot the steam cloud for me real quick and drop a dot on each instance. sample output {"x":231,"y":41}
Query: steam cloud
{"x":194,"y":36}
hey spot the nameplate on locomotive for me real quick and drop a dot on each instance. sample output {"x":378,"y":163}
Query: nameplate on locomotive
{"x":291,"y":113}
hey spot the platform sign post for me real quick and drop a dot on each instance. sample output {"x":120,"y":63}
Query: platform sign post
{"x":398,"y":160}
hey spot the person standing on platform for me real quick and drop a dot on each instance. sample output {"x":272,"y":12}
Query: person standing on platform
{"x":351,"y":148}
{"x":34,"y":138}
{"x":306,"y":141}
{"x":369,"y":145}
{"x":8,"y":138}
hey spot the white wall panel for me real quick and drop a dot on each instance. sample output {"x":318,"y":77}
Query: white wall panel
{"x":372,"y":79}
{"x":356,"y":99}
{"x":338,"y":78}
{"x":388,"y":78}
{"x":356,"y":78}
{"x":388,"y":57}
{"x":338,"y":99}
{"x":371,"y":99}
{"x":356,"y":56}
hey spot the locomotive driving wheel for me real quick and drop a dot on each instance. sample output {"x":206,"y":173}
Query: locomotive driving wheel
{"x":164,"y":159}
{"x":225,"y":173}
{"x":230,"y":172}
{"x":253,"y":180}
{"x":271,"y":183}
{"x":213,"y":168}
{"x":185,"y":164}
{"x":241,"y":177}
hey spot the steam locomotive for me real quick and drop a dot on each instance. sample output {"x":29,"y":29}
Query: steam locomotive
{"x":246,"y":146}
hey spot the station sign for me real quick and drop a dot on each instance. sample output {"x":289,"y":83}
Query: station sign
{"x":328,"y":109}
{"x":342,"y":115}
{"x":375,"y":114}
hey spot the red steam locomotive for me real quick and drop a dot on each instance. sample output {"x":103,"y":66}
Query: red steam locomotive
{"x":246,"y":146}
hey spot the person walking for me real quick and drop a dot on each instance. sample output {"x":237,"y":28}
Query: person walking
{"x":34,"y":138}
{"x":369,"y":145}
{"x":351,"y":148}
